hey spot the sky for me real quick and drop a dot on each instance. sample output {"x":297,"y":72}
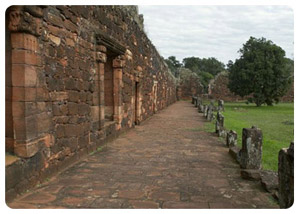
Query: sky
{"x":216,"y":31}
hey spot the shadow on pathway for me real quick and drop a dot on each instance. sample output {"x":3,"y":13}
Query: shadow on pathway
{"x":167,"y":162}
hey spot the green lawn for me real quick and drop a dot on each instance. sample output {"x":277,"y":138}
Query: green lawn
{"x":276,"y":123}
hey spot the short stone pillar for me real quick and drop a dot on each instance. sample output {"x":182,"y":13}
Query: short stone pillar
{"x":231,"y":139}
{"x":251,"y":152}
{"x":193,"y":100}
{"x":199,"y":101}
{"x":196,"y":101}
{"x":209,"y":114}
{"x":221,"y":105}
{"x":220,"y":125}
{"x":286,"y":176}
{"x":205,"y":110}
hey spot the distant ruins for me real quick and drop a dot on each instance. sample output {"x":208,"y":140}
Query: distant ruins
{"x":76,"y":76}
{"x":217,"y":89}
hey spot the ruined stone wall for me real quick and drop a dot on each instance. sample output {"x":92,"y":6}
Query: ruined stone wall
{"x":57,"y":61}
{"x":289,"y":96}
{"x":189,"y":84}
{"x":218,"y":90}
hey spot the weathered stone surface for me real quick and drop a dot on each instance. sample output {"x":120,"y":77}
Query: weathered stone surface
{"x":269,"y":180}
{"x":251,"y":152}
{"x":205,"y":110}
{"x":231,"y":139}
{"x":250,"y":174}
{"x":286,"y":176}
{"x":209,"y":114}
{"x":58,"y":64}
{"x":220,"y":130}
{"x":235,"y":152}
{"x":201,"y":175}
{"x":221,"y":105}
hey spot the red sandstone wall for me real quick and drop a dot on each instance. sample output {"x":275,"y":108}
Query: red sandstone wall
{"x":218,"y":89}
{"x":57,"y":84}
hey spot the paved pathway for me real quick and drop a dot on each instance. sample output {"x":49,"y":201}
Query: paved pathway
{"x":167,"y":162}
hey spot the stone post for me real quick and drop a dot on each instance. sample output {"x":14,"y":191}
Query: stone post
{"x":231,"y":139}
{"x":199,"y":101}
{"x":286,"y":176}
{"x":200,"y":108}
{"x":251,"y":152}
{"x":205,"y":110}
{"x":220,"y":125}
{"x":193,"y":100}
{"x":221,"y":105}
{"x":209,"y":115}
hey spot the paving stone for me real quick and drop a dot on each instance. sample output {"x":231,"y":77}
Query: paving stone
{"x":131,"y":194}
{"x":185,"y":205}
{"x":38,"y":198}
{"x":144,"y":204}
{"x":165,"y":196}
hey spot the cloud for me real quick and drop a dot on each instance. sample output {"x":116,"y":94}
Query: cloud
{"x":216,"y":31}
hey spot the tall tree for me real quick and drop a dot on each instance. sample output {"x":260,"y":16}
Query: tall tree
{"x":261,"y":71}
{"x":173,"y":64}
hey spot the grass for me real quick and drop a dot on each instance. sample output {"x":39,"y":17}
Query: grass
{"x":276,"y":123}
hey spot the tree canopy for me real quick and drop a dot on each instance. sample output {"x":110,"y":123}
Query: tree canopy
{"x":209,"y":65}
{"x":173,"y":65}
{"x":261,"y":71}
{"x":205,"y":68}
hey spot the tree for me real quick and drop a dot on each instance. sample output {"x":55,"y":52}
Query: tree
{"x":210,"y":65}
{"x":261,"y":71}
{"x":173,"y":64}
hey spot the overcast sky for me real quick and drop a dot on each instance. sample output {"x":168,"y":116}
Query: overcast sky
{"x":216,"y":31}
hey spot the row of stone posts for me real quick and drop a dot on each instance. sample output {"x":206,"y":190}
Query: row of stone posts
{"x":250,"y":155}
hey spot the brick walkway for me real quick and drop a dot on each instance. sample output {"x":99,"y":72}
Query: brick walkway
{"x":167,"y":162}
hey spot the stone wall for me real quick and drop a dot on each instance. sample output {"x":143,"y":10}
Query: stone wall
{"x":75,"y":77}
{"x":218,"y":90}
{"x":189,"y":84}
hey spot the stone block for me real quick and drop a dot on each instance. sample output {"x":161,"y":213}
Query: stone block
{"x":59,"y":95}
{"x":70,"y":26}
{"x":205,"y":110}
{"x":118,"y":63}
{"x":251,"y":153}
{"x":26,"y":149}
{"x":23,"y":94}
{"x":24,"y":41}
{"x":209,"y":114}
{"x":25,"y":128}
{"x":42,"y":94}
{"x":25,"y":57}
{"x":220,"y":124}
{"x":250,"y":174}
{"x":235,"y":152}
{"x":286,"y":176}
{"x":221,"y":105}
{"x":44,"y":122}
{"x":101,"y":57}
{"x":71,"y":130}
{"x":269,"y":180}
{"x":72,"y":108}
{"x":231,"y":139}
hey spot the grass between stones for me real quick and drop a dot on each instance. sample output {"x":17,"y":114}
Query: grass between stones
{"x":276,"y":123}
